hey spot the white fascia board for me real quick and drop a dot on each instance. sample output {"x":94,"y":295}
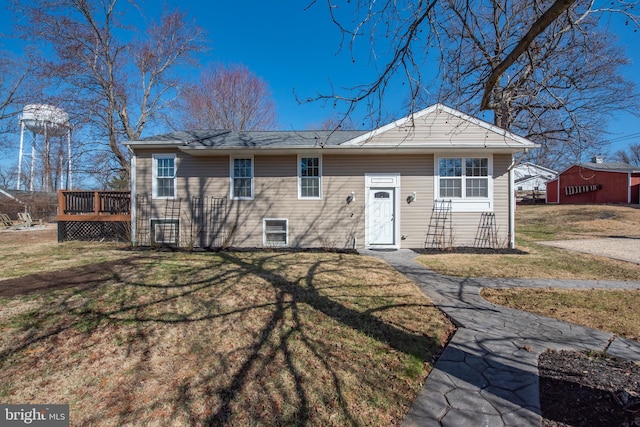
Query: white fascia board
{"x":359,"y":149}
{"x":153,"y":144}
{"x":441,"y":107}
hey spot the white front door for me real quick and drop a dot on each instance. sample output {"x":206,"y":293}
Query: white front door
{"x":381,"y":216}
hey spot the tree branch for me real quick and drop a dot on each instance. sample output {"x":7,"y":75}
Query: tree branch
{"x":541,"y":24}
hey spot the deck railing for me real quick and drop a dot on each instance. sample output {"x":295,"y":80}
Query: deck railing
{"x":94,"y":205}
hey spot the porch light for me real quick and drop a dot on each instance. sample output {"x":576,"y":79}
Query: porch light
{"x":351,"y":197}
{"x":411,"y":198}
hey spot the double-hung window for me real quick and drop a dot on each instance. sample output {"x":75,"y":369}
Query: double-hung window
{"x":466,"y":181}
{"x":164,"y":176}
{"x":309,"y":177}
{"x":463,"y":177}
{"x":476,"y":177}
{"x":242,"y":178}
{"x":450,"y":178}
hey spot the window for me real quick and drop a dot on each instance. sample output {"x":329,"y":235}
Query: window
{"x":450,"y":178}
{"x":242,"y":178}
{"x":477,"y":177}
{"x":470,"y":181}
{"x":275,"y":232}
{"x":309,"y":177}
{"x":164,"y":176}
{"x":165,"y":231}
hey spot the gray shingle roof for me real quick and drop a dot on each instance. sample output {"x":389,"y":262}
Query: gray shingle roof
{"x":610,"y":166}
{"x":255,"y":139}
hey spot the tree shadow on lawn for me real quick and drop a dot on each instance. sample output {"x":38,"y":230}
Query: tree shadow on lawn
{"x":282,"y":332}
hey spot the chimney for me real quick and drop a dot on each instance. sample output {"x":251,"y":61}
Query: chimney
{"x":597,"y":159}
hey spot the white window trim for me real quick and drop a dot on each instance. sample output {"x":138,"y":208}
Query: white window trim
{"x":154,"y":174}
{"x":231,"y":177}
{"x":168,"y":221}
{"x":300,"y":157}
{"x":264,"y":232}
{"x":464,"y":203}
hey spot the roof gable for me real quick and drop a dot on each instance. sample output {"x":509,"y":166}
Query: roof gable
{"x":441,"y":127}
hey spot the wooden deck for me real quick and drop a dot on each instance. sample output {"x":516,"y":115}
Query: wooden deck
{"x":94,"y":206}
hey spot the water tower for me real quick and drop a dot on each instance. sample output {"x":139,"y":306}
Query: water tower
{"x":49,"y":122}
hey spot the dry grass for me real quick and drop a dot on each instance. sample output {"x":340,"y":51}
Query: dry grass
{"x":222,"y":339}
{"x":560,"y":222}
{"x":550,"y":222}
{"x":612,"y":311}
{"x":25,"y":252}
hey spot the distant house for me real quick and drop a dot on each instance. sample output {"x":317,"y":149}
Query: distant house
{"x":531,"y":181}
{"x":596,"y":182}
{"x":530,"y":177}
{"x":339,"y":189}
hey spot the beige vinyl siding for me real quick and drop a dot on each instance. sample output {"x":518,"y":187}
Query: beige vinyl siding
{"x":346,"y":173}
{"x":331,"y":221}
{"x":439,"y":127}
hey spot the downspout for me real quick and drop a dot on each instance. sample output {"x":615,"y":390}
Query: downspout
{"x":512,"y":199}
{"x":132,"y":179}
{"x":628,"y":188}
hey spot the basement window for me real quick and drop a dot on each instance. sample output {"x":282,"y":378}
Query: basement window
{"x":165,"y":231}
{"x":275,"y":232}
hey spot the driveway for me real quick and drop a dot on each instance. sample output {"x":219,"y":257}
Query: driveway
{"x":620,"y":248}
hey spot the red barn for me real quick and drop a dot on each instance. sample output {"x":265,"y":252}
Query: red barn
{"x":596,"y":182}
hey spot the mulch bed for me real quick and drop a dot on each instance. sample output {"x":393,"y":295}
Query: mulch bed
{"x":580,"y":389}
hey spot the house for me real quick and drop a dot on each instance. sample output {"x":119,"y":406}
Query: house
{"x":530,"y":181}
{"x":530,"y":177}
{"x":596,"y":182}
{"x":330,"y":189}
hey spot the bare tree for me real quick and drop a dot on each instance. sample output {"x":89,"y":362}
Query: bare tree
{"x":113,"y":79}
{"x":227,"y":97}
{"x":558,"y":93}
{"x":8,"y":177}
{"x":508,"y":46}
{"x":16,"y":89}
{"x":10,"y":80}
{"x":334,"y":122}
{"x":631,"y":155}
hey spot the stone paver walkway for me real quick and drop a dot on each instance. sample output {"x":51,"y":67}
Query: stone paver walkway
{"x":488,"y":373}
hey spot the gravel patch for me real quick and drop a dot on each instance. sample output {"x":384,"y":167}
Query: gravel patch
{"x":620,"y":248}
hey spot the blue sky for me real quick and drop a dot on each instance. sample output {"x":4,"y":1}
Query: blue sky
{"x":293,"y":48}
{"x":296,"y":49}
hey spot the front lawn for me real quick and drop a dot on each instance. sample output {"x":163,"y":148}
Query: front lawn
{"x":220,"y":338}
